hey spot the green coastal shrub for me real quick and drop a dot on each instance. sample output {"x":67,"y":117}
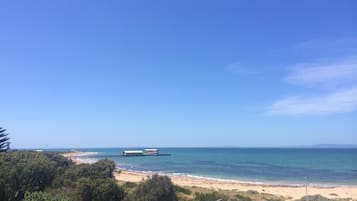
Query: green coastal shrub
{"x":34,"y":172}
{"x":41,"y":196}
{"x":315,"y":198}
{"x":100,"y":170}
{"x":242,"y":198}
{"x":98,"y":190}
{"x":183,"y":190}
{"x":24,"y":171}
{"x":214,"y":196}
{"x":156,"y":188}
{"x":129,"y":185}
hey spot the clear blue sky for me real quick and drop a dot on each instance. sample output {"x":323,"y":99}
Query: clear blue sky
{"x":178,"y":73}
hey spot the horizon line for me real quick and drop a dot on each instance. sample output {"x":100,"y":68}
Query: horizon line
{"x":321,"y":146}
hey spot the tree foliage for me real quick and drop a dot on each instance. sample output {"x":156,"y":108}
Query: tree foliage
{"x":4,"y":140}
{"x":28,"y":171}
{"x":24,"y":171}
{"x":157,"y":188}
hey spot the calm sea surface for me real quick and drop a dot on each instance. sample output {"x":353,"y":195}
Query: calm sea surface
{"x":273,"y":165}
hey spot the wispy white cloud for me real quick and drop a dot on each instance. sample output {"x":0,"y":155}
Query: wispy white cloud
{"x":239,"y":69}
{"x":323,"y":73}
{"x":334,"y":102}
{"x":331,"y":76}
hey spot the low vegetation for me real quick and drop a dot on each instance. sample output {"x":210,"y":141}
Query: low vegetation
{"x":183,"y":190}
{"x":322,"y":198}
{"x":22,"y":173}
{"x":42,"y":196}
{"x":158,"y":188}
{"x":214,"y":196}
{"x":242,"y":198}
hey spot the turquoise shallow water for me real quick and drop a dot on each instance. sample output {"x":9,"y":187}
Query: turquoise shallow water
{"x":273,"y":165}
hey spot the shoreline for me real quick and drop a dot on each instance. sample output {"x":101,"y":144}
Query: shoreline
{"x":246,"y":182}
{"x":295,"y":191}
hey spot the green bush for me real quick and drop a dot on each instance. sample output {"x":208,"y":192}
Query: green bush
{"x":243,"y":198}
{"x":61,"y":161}
{"x":182,"y":190}
{"x":84,"y":190}
{"x":28,"y":171}
{"x":315,"y":198}
{"x":98,"y":190}
{"x":156,"y":188}
{"x":102,"y":169}
{"x":129,"y":185}
{"x":24,"y":171}
{"x":41,"y":196}
{"x":214,"y":196}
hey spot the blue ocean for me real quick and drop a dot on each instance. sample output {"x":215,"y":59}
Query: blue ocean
{"x":271,"y":165}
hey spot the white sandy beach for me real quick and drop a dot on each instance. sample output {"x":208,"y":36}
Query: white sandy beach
{"x":293,"y":191}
